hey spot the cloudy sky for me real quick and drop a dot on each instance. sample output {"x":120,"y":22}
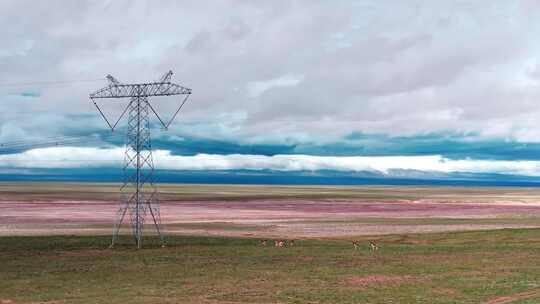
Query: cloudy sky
{"x":445,"y":87}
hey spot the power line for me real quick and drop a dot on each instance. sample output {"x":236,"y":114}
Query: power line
{"x":21,"y":145}
{"x":64,"y":160}
{"x":49,"y":83}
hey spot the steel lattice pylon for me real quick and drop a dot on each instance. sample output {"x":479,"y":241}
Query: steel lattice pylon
{"x":139,"y":193}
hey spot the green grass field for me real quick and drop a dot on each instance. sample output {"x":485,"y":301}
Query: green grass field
{"x":464,"y":267}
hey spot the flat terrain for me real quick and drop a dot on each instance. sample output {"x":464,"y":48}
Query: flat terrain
{"x":437,"y":245}
{"x":186,"y":192}
{"x":498,"y":266}
{"x":271,"y":211}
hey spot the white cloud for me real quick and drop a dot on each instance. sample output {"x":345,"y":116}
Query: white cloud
{"x":77,"y":157}
{"x":256,"y":88}
{"x":294,"y":71}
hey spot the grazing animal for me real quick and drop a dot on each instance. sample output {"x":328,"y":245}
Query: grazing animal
{"x":355,"y":244}
{"x":276,"y":243}
{"x":263,"y":242}
{"x":373,"y":246}
{"x":291,"y":243}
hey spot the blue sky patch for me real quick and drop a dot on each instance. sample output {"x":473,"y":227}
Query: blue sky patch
{"x":32,"y":94}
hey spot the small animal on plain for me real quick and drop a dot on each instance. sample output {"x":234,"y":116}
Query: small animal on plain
{"x":280,"y":243}
{"x":373,"y":246}
{"x":355,"y":244}
{"x":263,"y":242}
{"x":290,"y":243}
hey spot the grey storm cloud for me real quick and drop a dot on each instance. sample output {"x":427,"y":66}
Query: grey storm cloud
{"x":275,"y":71}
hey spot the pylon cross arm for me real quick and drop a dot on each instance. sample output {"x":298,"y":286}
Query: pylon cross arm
{"x":140,"y":90}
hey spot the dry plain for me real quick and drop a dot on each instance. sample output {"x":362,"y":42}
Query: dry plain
{"x":437,"y":245}
{"x":272,"y":211}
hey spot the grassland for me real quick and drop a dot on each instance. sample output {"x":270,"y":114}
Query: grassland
{"x":500,"y":266}
{"x":207,"y":262}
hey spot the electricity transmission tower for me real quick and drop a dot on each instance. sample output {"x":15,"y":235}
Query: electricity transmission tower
{"x":139,"y":193}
